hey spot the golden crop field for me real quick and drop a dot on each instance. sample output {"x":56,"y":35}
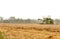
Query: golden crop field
{"x":30,"y":31}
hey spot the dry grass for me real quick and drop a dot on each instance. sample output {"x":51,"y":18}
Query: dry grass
{"x":30,"y":31}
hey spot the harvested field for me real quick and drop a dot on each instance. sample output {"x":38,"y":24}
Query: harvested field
{"x":30,"y":31}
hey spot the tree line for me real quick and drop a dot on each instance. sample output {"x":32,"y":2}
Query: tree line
{"x":46,"y":20}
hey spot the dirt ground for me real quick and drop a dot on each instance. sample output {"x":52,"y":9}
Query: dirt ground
{"x":30,"y":31}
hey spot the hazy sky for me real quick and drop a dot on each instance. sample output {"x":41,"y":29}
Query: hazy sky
{"x":30,"y":8}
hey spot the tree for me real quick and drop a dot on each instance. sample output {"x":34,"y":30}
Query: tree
{"x":48,"y":21}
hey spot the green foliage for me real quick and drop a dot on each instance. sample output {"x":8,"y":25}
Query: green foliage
{"x":48,"y":21}
{"x":1,"y":35}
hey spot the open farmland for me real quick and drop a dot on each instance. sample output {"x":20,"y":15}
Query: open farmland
{"x":30,"y":31}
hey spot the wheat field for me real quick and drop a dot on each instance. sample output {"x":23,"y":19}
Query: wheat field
{"x":30,"y":31}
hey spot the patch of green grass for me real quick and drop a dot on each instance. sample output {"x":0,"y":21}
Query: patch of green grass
{"x":1,"y":35}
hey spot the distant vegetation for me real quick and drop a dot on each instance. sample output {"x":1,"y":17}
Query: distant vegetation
{"x":46,"y":20}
